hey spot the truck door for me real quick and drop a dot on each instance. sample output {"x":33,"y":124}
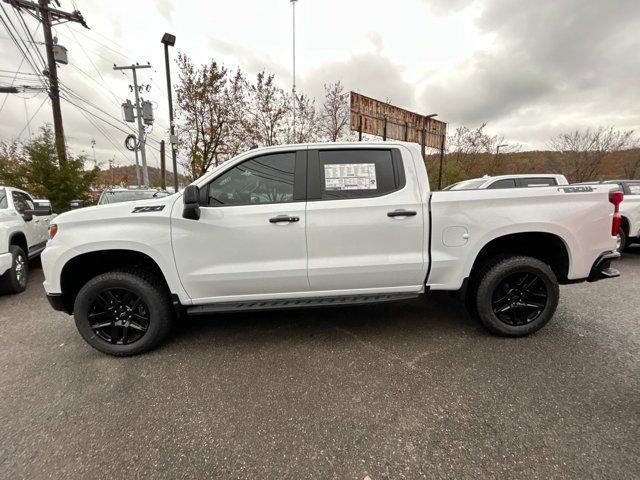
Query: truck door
{"x":250,"y":238}
{"x":21,"y":203}
{"x":365,"y":225}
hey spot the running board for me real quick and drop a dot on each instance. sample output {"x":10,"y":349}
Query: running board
{"x":289,"y":303}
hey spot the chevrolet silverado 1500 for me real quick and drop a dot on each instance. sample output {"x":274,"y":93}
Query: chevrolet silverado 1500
{"x":324,"y":225}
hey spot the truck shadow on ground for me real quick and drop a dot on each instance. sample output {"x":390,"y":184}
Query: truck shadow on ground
{"x":434,"y":314}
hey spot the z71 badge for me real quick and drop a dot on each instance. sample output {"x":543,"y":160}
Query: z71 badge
{"x":153,"y":208}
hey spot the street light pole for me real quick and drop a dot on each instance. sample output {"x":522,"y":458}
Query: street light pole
{"x":293,"y":88}
{"x":169,"y":40}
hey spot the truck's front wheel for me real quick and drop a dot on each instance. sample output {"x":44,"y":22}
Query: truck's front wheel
{"x":123,"y":313}
{"x":516,"y":296}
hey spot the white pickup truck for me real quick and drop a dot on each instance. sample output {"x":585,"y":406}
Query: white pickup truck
{"x":324,"y":224}
{"x":24,"y":231}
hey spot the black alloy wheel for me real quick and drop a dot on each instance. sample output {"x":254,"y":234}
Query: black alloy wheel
{"x":119,"y":316}
{"x":519,"y":299}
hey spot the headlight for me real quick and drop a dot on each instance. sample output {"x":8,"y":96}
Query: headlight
{"x":53,"y":229}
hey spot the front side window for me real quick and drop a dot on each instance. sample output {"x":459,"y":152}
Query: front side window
{"x":356,"y":173}
{"x":22,"y":202}
{"x":260,"y":180}
{"x":538,"y":182}
{"x":504,"y":183}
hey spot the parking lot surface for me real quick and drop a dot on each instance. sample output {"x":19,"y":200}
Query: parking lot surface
{"x":405,"y":390}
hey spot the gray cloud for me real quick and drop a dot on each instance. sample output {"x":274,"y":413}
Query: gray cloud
{"x":370,"y":74}
{"x":571,"y":59}
{"x":165,"y":8}
{"x":248,"y":59}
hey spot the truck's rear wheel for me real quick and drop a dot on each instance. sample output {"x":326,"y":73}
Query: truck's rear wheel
{"x":123,"y":313}
{"x":516,"y":296}
{"x":15,"y":279}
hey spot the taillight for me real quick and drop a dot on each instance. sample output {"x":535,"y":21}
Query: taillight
{"x":616,"y":198}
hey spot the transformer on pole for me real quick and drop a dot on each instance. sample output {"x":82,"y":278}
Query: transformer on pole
{"x":139,"y":117}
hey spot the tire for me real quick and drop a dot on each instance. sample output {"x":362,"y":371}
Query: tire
{"x":622,"y":240}
{"x":515,"y":296}
{"x":15,"y":279}
{"x":122,"y":304}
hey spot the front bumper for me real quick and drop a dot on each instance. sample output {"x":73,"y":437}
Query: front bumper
{"x":56,"y":302}
{"x":6,"y":262}
{"x":602,"y":267}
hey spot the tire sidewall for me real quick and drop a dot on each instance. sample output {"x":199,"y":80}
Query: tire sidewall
{"x":12,"y":284}
{"x":156,"y":304}
{"x":496,"y":275}
{"x":623,"y":240}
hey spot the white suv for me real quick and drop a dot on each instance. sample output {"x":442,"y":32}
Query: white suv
{"x":24,"y":230}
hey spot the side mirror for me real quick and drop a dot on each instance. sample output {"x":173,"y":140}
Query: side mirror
{"x":190,"y":198}
{"x":27,"y":216}
{"x":41,"y":208}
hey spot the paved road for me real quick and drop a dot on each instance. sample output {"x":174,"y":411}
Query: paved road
{"x":396,"y":391}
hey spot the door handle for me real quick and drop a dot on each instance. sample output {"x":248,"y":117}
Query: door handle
{"x":284,"y":218}
{"x":402,"y":213}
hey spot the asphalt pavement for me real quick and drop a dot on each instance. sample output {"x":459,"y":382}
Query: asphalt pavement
{"x":406,"y":390}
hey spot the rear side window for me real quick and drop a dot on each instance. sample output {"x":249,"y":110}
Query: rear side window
{"x":634,"y":188}
{"x":504,"y":183}
{"x":538,"y":182}
{"x":356,"y":173}
{"x":3,"y":200}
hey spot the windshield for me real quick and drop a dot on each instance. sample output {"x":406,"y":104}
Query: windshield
{"x":110,"y":196}
{"x":468,"y":184}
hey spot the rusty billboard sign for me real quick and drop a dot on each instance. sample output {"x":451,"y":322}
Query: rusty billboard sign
{"x":387,"y":121}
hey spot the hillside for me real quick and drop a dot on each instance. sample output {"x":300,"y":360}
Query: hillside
{"x":126,"y":176}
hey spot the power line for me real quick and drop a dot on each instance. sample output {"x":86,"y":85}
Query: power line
{"x":32,"y":117}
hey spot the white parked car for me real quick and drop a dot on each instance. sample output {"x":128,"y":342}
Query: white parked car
{"x":24,"y":230}
{"x":323,"y":224}
{"x":511,"y":181}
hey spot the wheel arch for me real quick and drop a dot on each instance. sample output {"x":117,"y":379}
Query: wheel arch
{"x":546,"y":247}
{"x":625,"y":225}
{"x":81,"y":268}
{"x":19,"y":239}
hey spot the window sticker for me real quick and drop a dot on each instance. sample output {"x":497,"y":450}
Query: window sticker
{"x":350,"y":176}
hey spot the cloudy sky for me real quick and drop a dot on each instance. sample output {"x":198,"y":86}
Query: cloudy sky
{"x":529,"y":69}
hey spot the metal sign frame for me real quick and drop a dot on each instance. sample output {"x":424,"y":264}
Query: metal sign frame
{"x":368,"y":115}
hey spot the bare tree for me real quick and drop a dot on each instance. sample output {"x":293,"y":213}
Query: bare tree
{"x":582,"y":153}
{"x":468,"y":147}
{"x":210,"y":107}
{"x":631,"y":162}
{"x":268,"y":110}
{"x":335,"y":112}
{"x":307,"y":120}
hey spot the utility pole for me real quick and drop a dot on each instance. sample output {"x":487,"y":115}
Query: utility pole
{"x":49,"y":15}
{"x":141,"y":131}
{"x":169,"y":40}
{"x":163,"y":167}
{"x":293,"y":88}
